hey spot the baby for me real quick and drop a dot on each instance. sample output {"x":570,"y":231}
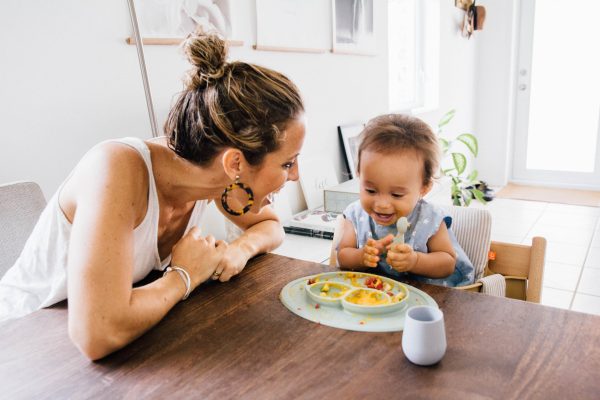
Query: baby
{"x":397,"y":160}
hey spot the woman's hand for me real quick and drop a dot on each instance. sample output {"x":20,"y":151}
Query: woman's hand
{"x":373,"y":249}
{"x":233,"y":262}
{"x":401,"y":257}
{"x":199,"y":255}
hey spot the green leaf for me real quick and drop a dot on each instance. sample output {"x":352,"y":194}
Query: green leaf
{"x":444,"y":144}
{"x":460,"y":162}
{"x":446,"y":118}
{"x":470,"y":141}
{"x":446,"y":171}
{"x":472,"y":176}
{"x":478,"y":195}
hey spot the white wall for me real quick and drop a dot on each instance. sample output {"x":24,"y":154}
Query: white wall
{"x":494,"y":96}
{"x":458,"y":73}
{"x":67,"y":81}
{"x":63,"y":92}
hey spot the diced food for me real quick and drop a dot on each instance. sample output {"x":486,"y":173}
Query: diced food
{"x":374,"y":283}
{"x":368,"y":298}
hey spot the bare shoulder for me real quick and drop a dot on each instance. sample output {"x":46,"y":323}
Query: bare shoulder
{"x":111,"y":173}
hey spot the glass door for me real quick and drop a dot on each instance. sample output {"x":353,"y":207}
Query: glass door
{"x":557,"y":116}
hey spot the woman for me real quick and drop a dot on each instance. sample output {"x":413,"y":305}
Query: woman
{"x":131,"y":206}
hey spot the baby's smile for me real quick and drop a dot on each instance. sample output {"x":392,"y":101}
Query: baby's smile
{"x":384,"y":219}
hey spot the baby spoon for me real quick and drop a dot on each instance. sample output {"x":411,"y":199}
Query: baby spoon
{"x":402,"y":225}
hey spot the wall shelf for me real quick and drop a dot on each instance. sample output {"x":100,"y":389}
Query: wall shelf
{"x":289,"y":49}
{"x":174,"y":41}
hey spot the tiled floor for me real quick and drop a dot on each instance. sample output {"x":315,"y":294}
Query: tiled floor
{"x":572,"y":271}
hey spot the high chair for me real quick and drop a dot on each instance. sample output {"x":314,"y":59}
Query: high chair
{"x":519,"y":267}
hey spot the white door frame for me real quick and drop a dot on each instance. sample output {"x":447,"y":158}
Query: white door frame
{"x":520,"y":174}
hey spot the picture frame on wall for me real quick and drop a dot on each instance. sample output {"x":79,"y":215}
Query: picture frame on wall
{"x":353,"y":27}
{"x":177,"y":19}
{"x":293,"y":26}
{"x":350,"y":138}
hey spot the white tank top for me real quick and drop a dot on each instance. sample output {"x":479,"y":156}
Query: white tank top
{"x":39,"y":276}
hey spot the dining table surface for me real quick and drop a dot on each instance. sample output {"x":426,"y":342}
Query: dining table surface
{"x":237,"y":340}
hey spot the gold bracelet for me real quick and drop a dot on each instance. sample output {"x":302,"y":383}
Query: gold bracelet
{"x":185,"y":276}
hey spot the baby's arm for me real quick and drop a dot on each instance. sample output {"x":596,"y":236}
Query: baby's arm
{"x":352,"y":258}
{"x":439,"y":262}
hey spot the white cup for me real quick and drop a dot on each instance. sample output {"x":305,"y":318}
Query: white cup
{"x":424,"y":337}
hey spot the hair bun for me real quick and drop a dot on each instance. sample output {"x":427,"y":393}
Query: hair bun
{"x":207,"y":52}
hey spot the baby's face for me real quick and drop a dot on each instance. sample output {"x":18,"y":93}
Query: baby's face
{"x":390,"y":184}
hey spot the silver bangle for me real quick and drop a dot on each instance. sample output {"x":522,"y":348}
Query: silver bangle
{"x":185,"y":276}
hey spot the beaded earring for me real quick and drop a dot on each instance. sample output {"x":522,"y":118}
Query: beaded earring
{"x":237,"y":185}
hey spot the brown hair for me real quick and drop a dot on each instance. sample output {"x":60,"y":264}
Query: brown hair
{"x":396,"y":132}
{"x":229,"y":104}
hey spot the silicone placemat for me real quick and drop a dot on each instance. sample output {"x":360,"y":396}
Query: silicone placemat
{"x":293,"y":296}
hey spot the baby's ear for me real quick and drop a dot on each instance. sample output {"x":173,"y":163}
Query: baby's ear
{"x":426,"y":188}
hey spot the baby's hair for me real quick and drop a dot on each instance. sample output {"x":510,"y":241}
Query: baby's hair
{"x":393,"y":133}
{"x":229,"y":104}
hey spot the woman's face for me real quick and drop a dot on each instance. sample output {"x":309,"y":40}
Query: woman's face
{"x":278,"y":167}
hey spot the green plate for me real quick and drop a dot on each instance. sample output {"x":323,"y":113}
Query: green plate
{"x":294,"y":297}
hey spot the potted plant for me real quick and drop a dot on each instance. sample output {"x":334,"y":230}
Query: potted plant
{"x":464,"y":184}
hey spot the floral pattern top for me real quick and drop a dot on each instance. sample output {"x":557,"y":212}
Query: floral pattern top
{"x":425,"y":220}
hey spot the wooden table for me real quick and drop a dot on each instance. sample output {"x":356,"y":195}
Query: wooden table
{"x":236,"y":340}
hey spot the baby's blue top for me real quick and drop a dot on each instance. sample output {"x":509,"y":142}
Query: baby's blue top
{"x":424,"y":221}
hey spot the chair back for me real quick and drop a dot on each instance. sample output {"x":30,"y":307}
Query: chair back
{"x":473,"y":229}
{"x":337,"y":237}
{"x":522,"y":266}
{"x":21,"y":204}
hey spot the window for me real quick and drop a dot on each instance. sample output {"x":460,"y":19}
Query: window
{"x":413,"y":54}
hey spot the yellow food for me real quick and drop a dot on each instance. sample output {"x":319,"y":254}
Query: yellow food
{"x":368,"y":298}
{"x":332,"y":290}
{"x":397,"y":298}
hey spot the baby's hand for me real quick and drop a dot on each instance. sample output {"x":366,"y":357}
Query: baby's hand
{"x":373,"y":249}
{"x":401,"y":257}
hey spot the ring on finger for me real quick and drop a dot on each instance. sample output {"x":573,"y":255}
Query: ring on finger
{"x":216,"y":275}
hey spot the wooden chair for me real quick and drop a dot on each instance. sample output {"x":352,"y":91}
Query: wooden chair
{"x":521,"y":265}
{"x":337,"y":236}
{"x":21,"y":204}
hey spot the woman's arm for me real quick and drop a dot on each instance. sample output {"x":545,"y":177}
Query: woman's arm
{"x":262,"y":233}
{"x":105,"y":199}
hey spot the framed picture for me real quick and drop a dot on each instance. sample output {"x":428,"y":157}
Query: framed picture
{"x":177,"y":19}
{"x":350,"y":138}
{"x":292,"y":25}
{"x":353,"y":27}
{"x":316,"y":174}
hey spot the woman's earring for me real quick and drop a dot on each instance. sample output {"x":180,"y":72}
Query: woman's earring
{"x":237,"y":185}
